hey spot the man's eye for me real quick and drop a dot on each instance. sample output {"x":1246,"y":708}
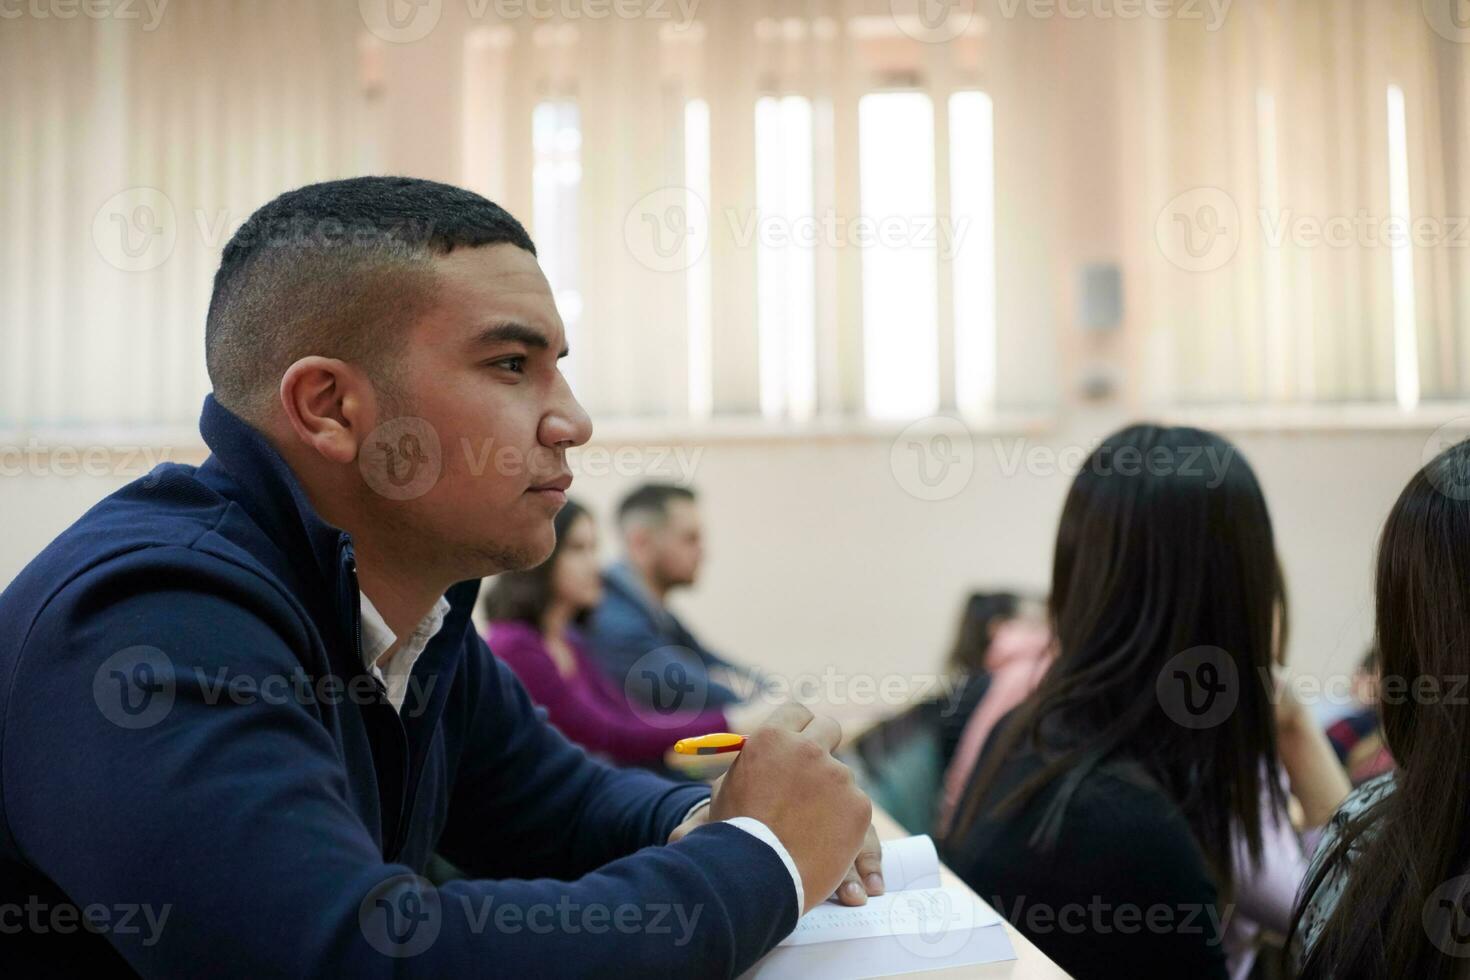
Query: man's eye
{"x":516,"y":364}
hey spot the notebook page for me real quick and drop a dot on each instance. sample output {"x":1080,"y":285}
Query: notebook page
{"x":919,"y":915}
{"x":910,"y":863}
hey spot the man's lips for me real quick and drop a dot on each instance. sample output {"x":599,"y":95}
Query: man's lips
{"x":559,"y":485}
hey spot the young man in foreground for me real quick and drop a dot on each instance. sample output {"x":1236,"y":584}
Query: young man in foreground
{"x":241,"y":705}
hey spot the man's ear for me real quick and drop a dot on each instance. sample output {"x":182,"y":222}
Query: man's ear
{"x":330,"y":406}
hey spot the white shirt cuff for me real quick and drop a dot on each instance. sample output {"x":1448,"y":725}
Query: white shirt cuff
{"x":760,"y":831}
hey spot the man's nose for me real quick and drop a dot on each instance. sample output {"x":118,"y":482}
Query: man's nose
{"x":567,"y":424}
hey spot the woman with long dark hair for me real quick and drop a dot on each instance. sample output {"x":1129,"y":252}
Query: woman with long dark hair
{"x":535,"y":615}
{"x":1111,"y":812}
{"x":1389,"y":891}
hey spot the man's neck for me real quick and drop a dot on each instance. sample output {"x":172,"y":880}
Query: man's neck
{"x":656,"y":590}
{"x":401,"y":590}
{"x":399,"y":599}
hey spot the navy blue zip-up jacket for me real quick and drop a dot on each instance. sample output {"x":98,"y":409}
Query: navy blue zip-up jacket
{"x":198,"y":777}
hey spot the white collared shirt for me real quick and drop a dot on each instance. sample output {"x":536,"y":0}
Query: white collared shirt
{"x":378,"y":638}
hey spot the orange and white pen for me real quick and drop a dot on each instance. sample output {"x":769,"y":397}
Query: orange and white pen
{"x":712,"y":744}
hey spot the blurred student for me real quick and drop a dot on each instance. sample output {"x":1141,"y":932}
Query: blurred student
{"x":1357,"y":737}
{"x":1389,"y":891}
{"x":536,"y":616}
{"x":639,"y":644}
{"x":1012,"y":652}
{"x":982,"y":615}
{"x":1142,"y":773}
{"x":902,"y":759}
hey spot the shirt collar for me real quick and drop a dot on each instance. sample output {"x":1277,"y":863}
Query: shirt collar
{"x":377,"y":636}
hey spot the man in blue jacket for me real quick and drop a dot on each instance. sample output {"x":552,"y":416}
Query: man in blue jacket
{"x":242,"y":704}
{"x":633,"y":634}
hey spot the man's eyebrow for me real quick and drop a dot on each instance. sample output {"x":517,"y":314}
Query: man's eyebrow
{"x":512,"y":332}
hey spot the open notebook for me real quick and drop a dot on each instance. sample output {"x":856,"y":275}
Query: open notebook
{"x":916,"y":924}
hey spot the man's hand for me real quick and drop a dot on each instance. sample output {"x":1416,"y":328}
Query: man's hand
{"x":698,"y":818}
{"x":787,"y":778}
{"x":865,"y":877}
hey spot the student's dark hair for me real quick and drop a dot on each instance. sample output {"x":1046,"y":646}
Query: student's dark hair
{"x":525,"y":595}
{"x":983,"y":610}
{"x":339,"y":269}
{"x":1164,"y":547}
{"x":1406,"y":895}
{"x":1369,"y":663}
{"x":652,"y":498}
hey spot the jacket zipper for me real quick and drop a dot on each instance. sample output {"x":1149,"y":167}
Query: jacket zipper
{"x":400,"y":833}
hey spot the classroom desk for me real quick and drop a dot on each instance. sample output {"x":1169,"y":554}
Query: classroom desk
{"x":1030,"y":963}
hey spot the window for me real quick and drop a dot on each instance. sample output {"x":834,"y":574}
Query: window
{"x":900,"y":268}
{"x":697,"y":287}
{"x":785,"y":227}
{"x":1405,"y":321}
{"x":972,"y":211}
{"x":556,"y":179}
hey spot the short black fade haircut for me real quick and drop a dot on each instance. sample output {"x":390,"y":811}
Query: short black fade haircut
{"x":340,"y":269}
{"x":652,"y":499}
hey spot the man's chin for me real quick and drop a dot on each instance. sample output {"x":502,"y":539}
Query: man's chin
{"x":505,"y":557}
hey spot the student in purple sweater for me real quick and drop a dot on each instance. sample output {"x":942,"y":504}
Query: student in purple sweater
{"x":535,"y":616}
